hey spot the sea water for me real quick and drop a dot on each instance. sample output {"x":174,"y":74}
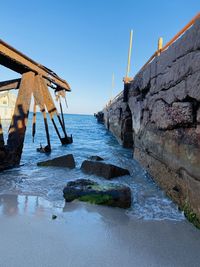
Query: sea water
{"x":43,"y":185}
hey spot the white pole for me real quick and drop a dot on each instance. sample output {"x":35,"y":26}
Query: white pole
{"x":129,"y":54}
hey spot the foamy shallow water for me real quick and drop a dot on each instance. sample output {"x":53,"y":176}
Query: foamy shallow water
{"x":90,"y":138}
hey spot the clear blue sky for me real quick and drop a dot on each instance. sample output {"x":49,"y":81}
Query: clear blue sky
{"x":85,"y":41}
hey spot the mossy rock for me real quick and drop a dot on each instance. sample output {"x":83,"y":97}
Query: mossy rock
{"x":191,"y":216}
{"x":92,"y":192}
{"x":99,"y":199}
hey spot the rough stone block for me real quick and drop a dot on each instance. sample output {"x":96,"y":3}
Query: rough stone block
{"x":136,"y":84}
{"x":136,"y":110}
{"x":165,"y":60}
{"x":107,"y":171}
{"x":166,"y":117}
{"x":193,"y":86}
{"x":177,"y":92}
{"x":180,"y":90}
{"x":153,"y":86}
{"x":198,"y":115}
{"x":197,"y":31}
{"x":189,"y":41}
{"x":164,"y":81}
{"x":146,"y":76}
{"x":180,"y":70}
{"x":160,"y":115}
{"x":63,"y":161}
{"x":168,"y":96}
{"x":145,"y":118}
{"x":192,"y":62}
{"x":181,"y":113}
{"x":153,"y":68}
{"x":151,"y":99}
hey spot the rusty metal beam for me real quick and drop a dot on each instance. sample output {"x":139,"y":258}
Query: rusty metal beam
{"x":1,"y":135}
{"x":53,"y":111}
{"x":34,"y":120}
{"x":39,"y":100}
{"x":17,"y":61}
{"x":20,"y":117}
{"x":9,"y":85}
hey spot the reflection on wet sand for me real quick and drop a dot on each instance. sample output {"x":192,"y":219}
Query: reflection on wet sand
{"x":11,"y":205}
{"x":108,"y":215}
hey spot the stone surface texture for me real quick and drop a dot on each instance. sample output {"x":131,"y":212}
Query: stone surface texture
{"x":63,"y":161}
{"x":108,"y":171}
{"x":164,"y":105}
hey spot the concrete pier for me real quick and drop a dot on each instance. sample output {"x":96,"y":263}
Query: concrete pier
{"x":160,"y":119}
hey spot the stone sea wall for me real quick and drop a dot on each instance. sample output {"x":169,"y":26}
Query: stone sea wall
{"x":161,"y":120}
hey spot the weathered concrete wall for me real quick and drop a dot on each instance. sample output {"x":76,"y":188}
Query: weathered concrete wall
{"x":163,"y":111}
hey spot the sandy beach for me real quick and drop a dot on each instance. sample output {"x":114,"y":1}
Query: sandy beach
{"x":90,"y":235}
{"x":100,"y":102}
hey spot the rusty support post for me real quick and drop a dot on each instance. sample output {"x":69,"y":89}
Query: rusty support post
{"x":61,"y":124}
{"x":19,"y":120}
{"x":59,"y":136}
{"x":34,"y":120}
{"x":53,"y":111}
{"x":62,"y":115}
{"x":39,"y":100}
{"x":1,"y":135}
{"x":46,"y":129}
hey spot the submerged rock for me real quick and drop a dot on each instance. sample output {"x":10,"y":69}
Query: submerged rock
{"x":107,"y":171}
{"x":97,"y":158}
{"x":54,"y":217}
{"x":90,"y":191}
{"x":63,"y":161}
{"x":100,"y":117}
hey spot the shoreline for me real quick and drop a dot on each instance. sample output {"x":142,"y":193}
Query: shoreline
{"x":90,"y":235}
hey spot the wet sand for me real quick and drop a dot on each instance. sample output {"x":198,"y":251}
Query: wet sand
{"x":89,"y":235}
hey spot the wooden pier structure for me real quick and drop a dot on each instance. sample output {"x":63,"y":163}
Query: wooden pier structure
{"x":35,"y":81}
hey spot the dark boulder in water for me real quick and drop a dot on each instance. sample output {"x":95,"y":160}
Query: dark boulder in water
{"x":45,"y":149}
{"x":92,"y":192}
{"x":96,"y":158}
{"x":108,"y":171}
{"x":63,"y":161}
{"x":100,"y":117}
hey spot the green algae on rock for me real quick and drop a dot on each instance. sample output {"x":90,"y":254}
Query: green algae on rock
{"x":92,"y":192}
{"x":191,"y":216}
